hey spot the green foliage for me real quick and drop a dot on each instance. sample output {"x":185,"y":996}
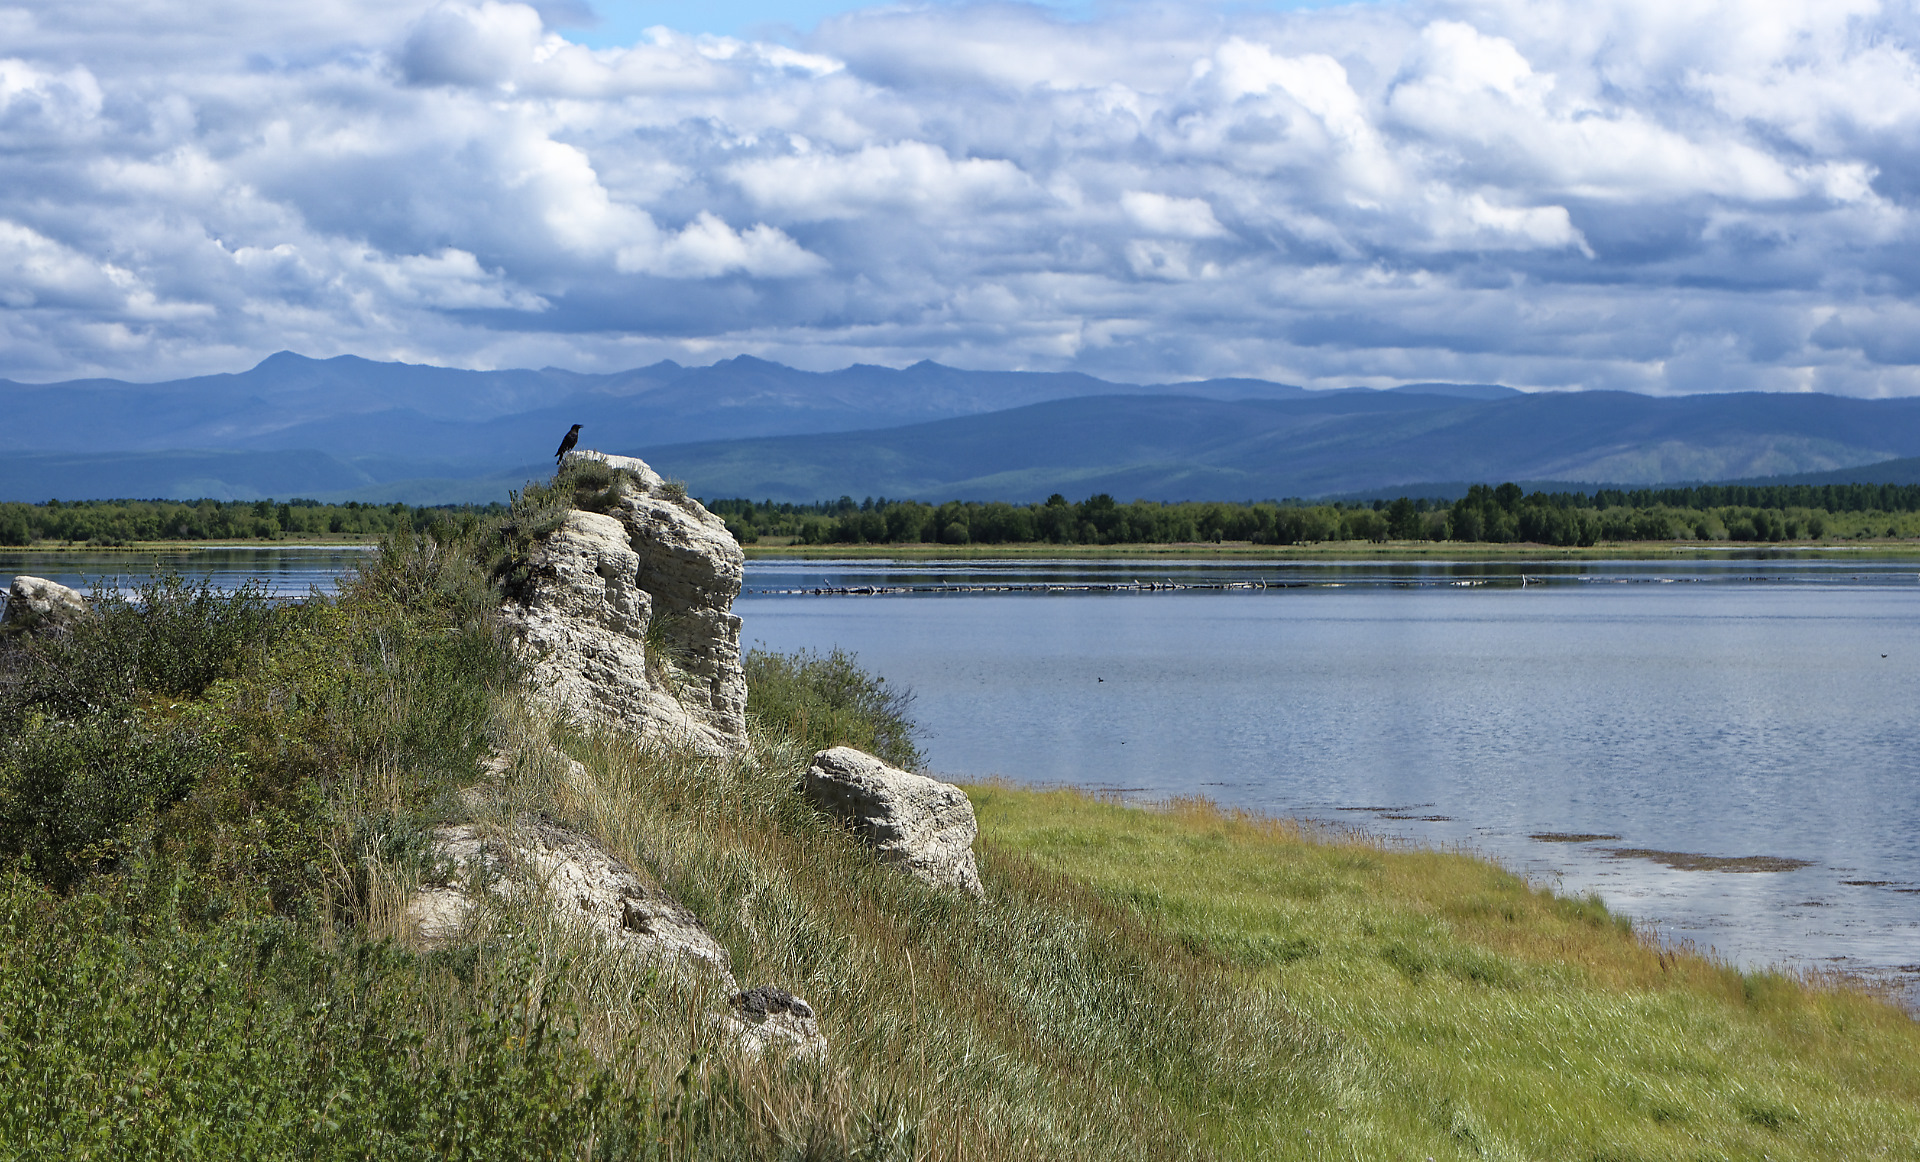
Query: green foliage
{"x":121,"y":522}
{"x":1502,"y":515}
{"x":825,"y":700}
{"x":95,"y":747}
{"x":171,"y":639}
{"x":73,"y":794}
{"x":250,"y":1040}
{"x":238,"y":737}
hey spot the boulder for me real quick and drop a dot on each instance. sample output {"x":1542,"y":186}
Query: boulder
{"x":921,"y":824}
{"x":34,"y":603}
{"x":768,"y":1018}
{"x":630,"y":617}
{"x":583,"y":883}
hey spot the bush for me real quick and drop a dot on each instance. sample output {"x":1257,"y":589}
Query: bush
{"x":93,"y":745}
{"x":826,"y":700}
{"x":173,"y":639}
{"x":71,"y":793}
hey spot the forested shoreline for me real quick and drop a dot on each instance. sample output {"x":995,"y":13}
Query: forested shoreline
{"x":122,"y":522}
{"x":1485,"y":515}
{"x":1498,"y":515}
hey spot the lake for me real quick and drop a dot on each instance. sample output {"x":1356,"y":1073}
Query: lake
{"x":285,"y":570}
{"x":1761,"y":704}
{"x":1728,"y":708}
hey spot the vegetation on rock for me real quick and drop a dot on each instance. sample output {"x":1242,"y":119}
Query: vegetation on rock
{"x":213,"y":808}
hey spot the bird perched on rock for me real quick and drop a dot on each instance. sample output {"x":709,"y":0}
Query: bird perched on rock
{"x":566,"y":444}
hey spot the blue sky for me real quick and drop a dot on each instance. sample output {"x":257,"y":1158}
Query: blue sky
{"x":617,"y":23}
{"x":1663,"y":196}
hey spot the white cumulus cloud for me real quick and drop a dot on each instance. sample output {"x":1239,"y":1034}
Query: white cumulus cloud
{"x":1554,"y":193}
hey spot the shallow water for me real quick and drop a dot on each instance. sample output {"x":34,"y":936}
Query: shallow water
{"x":285,"y":570}
{"x":1730,"y":708}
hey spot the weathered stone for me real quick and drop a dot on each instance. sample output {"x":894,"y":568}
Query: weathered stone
{"x":630,"y":618}
{"x":34,"y":603}
{"x":921,"y":824}
{"x":771,"y":1018}
{"x":438,"y":913}
{"x":584,"y":884}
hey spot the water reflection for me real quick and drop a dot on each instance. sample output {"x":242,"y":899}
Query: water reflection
{"x":285,"y":570}
{"x":800,"y":577}
{"x":1723,"y":707}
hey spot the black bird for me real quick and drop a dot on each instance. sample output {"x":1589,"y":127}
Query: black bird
{"x":566,"y":444}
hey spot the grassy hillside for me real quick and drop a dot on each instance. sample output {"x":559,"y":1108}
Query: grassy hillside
{"x":212,"y":808}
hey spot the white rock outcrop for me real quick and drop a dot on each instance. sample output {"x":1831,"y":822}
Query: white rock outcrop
{"x":587,"y":888}
{"x":584,"y":884}
{"x":37,"y":603}
{"x":630,"y":620}
{"x":921,"y":824}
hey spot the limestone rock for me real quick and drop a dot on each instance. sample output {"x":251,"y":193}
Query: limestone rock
{"x":438,"y":913}
{"x":770,"y":1018}
{"x":630,"y":620}
{"x":921,"y":824}
{"x":34,"y":603}
{"x":581,"y":881}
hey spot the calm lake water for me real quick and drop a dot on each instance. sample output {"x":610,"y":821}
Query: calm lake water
{"x":1735,"y":707}
{"x":286,"y":570}
{"x":1752,"y":705}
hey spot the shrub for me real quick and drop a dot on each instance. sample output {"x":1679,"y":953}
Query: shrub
{"x":71,"y":793}
{"x":173,"y":639}
{"x":826,"y":700}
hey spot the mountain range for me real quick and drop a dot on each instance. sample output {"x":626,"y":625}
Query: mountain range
{"x":351,"y":428}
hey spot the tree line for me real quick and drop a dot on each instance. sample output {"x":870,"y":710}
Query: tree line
{"x":1502,"y":515}
{"x":1505,"y":514}
{"x":121,"y":522}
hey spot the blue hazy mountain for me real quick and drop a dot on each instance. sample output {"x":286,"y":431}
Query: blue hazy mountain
{"x":355,"y":428}
{"x":352,"y":407}
{"x":1169,"y":448}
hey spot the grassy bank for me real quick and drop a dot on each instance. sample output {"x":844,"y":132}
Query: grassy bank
{"x":1475,"y":1016}
{"x":213,"y":807}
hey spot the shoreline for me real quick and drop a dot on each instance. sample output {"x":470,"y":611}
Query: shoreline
{"x":357,"y":541}
{"x":1329,"y":550}
{"x":1896,"y":985}
{"x":1424,"y":551}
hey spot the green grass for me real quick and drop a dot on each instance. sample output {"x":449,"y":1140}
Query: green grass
{"x":1478,"y":1016}
{"x":212,"y":811}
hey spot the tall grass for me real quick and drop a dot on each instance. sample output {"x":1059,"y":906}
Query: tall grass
{"x":213,"y":960}
{"x":1488,"y":1017}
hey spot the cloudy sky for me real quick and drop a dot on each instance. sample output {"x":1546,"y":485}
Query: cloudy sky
{"x":1658,"y":195}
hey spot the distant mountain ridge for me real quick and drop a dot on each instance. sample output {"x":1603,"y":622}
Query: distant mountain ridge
{"x":1166,"y":448}
{"x":348,"y":427}
{"x":352,"y":407}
